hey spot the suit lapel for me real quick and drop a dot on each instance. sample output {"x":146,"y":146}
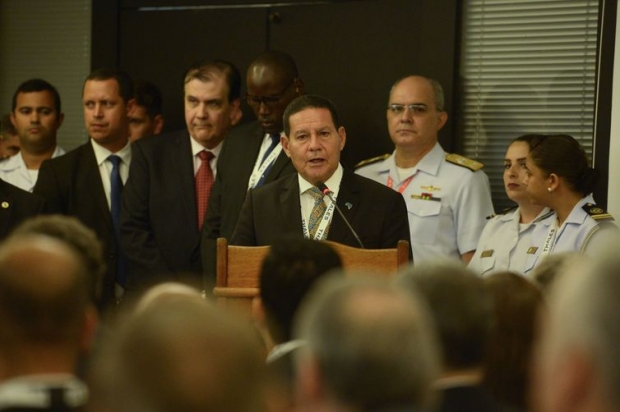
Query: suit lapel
{"x":281,"y":162}
{"x":290,"y":205}
{"x":180,"y":163}
{"x":90,"y":180}
{"x":348,"y":202}
{"x":6,"y":205}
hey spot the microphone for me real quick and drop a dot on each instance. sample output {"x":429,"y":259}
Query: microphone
{"x":326,"y":192}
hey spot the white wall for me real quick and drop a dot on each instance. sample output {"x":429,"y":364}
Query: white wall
{"x":613,"y":190}
{"x":49,"y":39}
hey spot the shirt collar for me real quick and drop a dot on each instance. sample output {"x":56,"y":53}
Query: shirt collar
{"x":197,"y":148}
{"x":429,"y":164}
{"x":333,"y":183}
{"x":102,"y":154}
{"x":578,"y":215}
{"x":433,"y":159}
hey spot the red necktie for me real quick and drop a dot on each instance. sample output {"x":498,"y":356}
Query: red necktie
{"x":204,"y":181}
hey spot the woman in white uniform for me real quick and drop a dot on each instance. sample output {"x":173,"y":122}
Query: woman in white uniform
{"x":507,"y":241}
{"x":559,"y":177}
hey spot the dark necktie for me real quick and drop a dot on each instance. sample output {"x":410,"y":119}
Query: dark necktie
{"x":204,"y":182}
{"x":116,"y":191}
{"x":275,"y":139}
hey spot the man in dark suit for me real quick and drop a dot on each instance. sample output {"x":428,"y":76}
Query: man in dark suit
{"x":294,"y":204}
{"x":166,"y":196}
{"x":16,"y":205}
{"x":251,"y":155}
{"x":79,"y":183}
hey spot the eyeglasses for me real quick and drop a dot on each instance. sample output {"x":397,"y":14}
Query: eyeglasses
{"x":397,"y":109}
{"x":268,"y":101}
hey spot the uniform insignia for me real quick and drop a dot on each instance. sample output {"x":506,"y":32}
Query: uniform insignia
{"x":426,"y":196}
{"x":372,"y":160}
{"x":430,"y":188}
{"x":459,"y":160}
{"x":596,"y":212}
{"x":532,"y":250}
{"x":487,"y":253}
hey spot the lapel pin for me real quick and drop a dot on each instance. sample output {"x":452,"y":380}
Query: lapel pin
{"x":5,"y":205}
{"x":348,"y":205}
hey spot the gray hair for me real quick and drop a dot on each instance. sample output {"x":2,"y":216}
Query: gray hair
{"x":583,"y":313}
{"x":358,"y":324}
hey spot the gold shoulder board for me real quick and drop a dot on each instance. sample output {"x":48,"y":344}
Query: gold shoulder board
{"x":596,"y":212}
{"x":372,"y":160}
{"x":459,"y":160}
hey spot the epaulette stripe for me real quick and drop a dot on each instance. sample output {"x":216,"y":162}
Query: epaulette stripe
{"x":372,"y":160}
{"x":463,"y":161}
{"x":596,"y":212}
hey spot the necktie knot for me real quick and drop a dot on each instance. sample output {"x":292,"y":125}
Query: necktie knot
{"x":275,"y":138}
{"x":315,"y":193}
{"x":115,"y":160}
{"x":205,"y":155}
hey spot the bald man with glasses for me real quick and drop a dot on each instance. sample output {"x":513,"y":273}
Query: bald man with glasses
{"x":448,"y":196}
{"x":252,"y":155}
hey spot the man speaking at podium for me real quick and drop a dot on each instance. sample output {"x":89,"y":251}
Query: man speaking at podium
{"x":365,"y":213}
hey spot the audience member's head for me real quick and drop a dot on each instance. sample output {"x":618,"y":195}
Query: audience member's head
{"x":76,"y":235}
{"x":462,"y":310}
{"x":180,"y":355}
{"x":272,"y":83}
{"x":9,"y":140}
{"x":46,"y":317}
{"x":166,"y":291}
{"x":578,"y":358}
{"x":553,"y":266}
{"x":212,"y":101}
{"x":368,"y":346}
{"x":146,"y":117}
{"x":37,"y":116}
{"x":289,"y":270}
{"x":507,"y":369}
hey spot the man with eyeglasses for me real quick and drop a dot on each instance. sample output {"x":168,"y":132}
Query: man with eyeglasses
{"x":448,"y":196}
{"x":252,"y":155}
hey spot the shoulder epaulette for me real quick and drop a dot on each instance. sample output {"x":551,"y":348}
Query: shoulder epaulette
{"x":503,"y":212}
{"x":597,"y":213}
{"x":372,"y":160}
{"x":459,"y":160}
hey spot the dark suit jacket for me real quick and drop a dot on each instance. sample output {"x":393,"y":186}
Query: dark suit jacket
{"x":159,"y":225}
{"x":234,"y":168}
{"x":378,"y":214}
{"x":16,"y":205}
{"x":71,"y":185}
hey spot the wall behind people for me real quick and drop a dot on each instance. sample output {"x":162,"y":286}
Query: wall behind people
{"x":50,"y":40}
{"x":348,"y":51}
{"x":613,"y":202}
